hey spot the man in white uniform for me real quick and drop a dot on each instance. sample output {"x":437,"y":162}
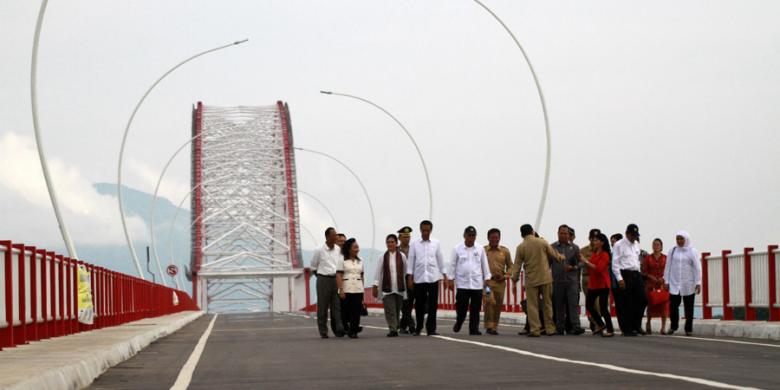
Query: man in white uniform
{"x":471,"y":271}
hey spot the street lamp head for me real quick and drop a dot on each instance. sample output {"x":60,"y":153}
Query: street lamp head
{"x":241,"y":41}
{"x":327,"y":92}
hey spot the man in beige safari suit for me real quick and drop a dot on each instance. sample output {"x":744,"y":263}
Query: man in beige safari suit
{"x":500,"y":262}
{"x":533,"y":256}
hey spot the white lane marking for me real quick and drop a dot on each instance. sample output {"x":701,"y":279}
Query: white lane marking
{"x":185,"y":375}
{"x":700,"y":381}
{"x":723,"y":341}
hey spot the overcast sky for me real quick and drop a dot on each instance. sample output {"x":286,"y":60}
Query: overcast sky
{"x":663,"y":113}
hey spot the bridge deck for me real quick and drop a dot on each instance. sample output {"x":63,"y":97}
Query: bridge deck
{"x":281,"y":351}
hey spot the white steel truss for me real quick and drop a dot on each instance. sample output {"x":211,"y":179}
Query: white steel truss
{"x":245,"y":207}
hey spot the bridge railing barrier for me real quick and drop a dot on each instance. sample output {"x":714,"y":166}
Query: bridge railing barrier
{"x":39,"y":296}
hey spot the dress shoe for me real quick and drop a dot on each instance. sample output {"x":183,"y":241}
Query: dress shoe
{"x":324,"y":335}
{"x":689,"y":333}
{"x":475,"y":333}
{"x":457,"y":326}
{"x":492,"y":332}
{"x":392,"y":334}
{"x":523,"y":332}
{"x":404,"y":331}
{"x":434,"y":333}
{"x":576,"y":331}
{"x":340,"y":334}
{"x":529,"y":334}
{"x":353,"y":335}
{"x":629,"y":334}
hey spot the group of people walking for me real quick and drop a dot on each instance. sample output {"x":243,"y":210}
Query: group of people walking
{"x":410,"y":272}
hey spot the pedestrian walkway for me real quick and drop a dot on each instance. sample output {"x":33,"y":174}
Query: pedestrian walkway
{"x":75,"y":361}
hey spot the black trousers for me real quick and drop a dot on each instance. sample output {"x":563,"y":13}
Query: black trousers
{"x":674,"y":311}
{"x":407,"y":321}
{"x":602,"y":295}
{"x":635,"y":300}
{"x":617,"y":295}
{"x":464,"y":298}
{"x":426,"y":296}
{"x":352,"y":308}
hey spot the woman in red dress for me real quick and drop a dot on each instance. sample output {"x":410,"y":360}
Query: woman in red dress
{"x":653,"y":270}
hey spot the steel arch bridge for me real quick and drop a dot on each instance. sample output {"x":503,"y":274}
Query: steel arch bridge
{"x":246,"y":252}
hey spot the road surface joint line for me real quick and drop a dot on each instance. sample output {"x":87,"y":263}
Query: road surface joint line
{"x":700,"y":381}
{"x":185,"y":375}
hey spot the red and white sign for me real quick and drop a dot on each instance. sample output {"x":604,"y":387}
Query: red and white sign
{"x":172,"y":270}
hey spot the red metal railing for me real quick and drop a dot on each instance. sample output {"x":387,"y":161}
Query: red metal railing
{"x":40,"y":296}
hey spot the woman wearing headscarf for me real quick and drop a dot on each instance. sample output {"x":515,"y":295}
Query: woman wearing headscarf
{"x":352,"y":294}
{"x":682,"y":276}
{"x":653,"y":267}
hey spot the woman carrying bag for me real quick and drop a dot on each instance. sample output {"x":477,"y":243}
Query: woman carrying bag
{"x":682,"y":276}
{"x":653,"y":266}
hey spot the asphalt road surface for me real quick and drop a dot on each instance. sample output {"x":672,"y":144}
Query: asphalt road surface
{"x":280,"y":351}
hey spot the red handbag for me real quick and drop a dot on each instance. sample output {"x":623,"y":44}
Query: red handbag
{"x":657,"y":297}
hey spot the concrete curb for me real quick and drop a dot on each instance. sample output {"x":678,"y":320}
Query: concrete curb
{"x":760,"y":330}
{"x":84,"y":363}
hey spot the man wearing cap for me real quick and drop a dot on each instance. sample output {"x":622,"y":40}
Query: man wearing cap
{"x":586,"y":253}
{"x":328,"y":264}
{"x":532,"y":256}
{"x":566,"y":287}
{"x":471,"y":272}
{"x":407,"y":321}
{"x":626,"y":268}
{"x":424,"y":270}
{"x":500,"y":262}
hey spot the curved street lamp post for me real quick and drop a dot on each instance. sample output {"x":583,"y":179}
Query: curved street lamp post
{"x":124,"y":141}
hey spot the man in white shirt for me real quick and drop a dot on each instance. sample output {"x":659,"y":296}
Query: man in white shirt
{"x":328,"y":264}
{"x":626,"y":267}
{"x":390,"y":277}
{"x":471,"y":271}
{"x":424,"y":270}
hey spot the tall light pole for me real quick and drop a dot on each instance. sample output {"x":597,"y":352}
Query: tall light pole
{"x":542,"y":202}
{"x":39,"y":142}
{"x":408,"y":134}
{"x":124,"y":140}
{"x":360,"y":182}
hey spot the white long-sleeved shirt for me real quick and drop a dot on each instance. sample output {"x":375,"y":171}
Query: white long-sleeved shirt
{"x":625,"y":255}
{"x":683,"y":269}
{"x":380,"y":273}
{"x":425,"y":262}
{"x":327,"y":261}
{"x":470,"y":266}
